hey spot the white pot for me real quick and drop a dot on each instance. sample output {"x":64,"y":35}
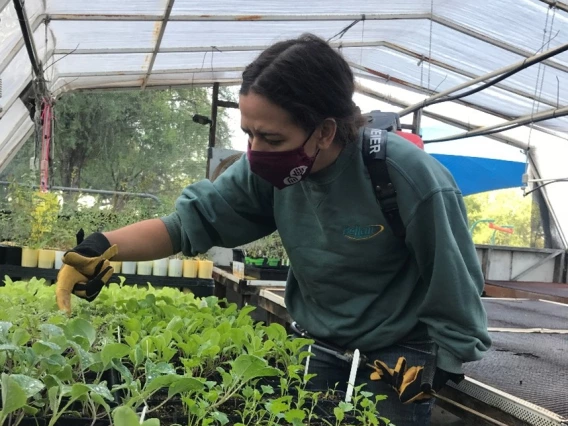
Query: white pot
{"x":175,"y":267}
{"x":145,"y":267}
{"x":58,"y":259}
{"x":161,"y":267}
{"x":128,"y":267}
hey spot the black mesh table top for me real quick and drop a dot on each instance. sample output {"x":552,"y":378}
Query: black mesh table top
{"x":530,"y":366}
{"x":526,"y":314}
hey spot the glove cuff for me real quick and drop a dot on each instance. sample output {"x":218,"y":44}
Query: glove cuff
{"x":93,"y":246}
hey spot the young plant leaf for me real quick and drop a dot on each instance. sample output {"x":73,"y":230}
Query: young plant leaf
{"x":185,"y":384}
{"x":159,"y":369}
{"x":13,"y":396}
{"x":79,"y":328}
{"x":266,"y":389}
{"x":65,"y":373}
{"x":125,"y":416}
{"x":295,"y":416}
{"x":247,"y":367}
{"x":4,"y":328}
{"x":20,"y":337}
{"x":99,"y":400}
{"x":161,"y":382}
{"x":49,"y":330}
{"x":8,"y":347}
{"x":101,"y":390}
{"x":339,"y":414}
{"x":78,"y":390}
{"x":278,"y":406}
{"x":220,"y":417}
{"x":29,"y":410}
{"x":114,"y":351}
{"x":28,"y":384}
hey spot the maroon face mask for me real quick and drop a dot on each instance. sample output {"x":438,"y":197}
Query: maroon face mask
{"x":281,"y":169}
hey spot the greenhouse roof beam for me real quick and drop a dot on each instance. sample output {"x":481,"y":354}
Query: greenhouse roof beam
{"x":327,"y":17}
{"x":162,"y":25}
{"x":556,"y":4}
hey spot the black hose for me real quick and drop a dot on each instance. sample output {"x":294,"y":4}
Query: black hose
{"x":526,"y":63}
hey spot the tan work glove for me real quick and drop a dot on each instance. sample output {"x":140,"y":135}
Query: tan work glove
{"x":408,"y":382}
{"x":85,"y":272}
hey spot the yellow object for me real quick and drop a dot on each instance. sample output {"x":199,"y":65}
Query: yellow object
{"x":44,"y":216}
{"x":117,"y":266}
{"x":30,"y":257}
{"x":190,"y":268}
{"x":205,"y":269}
{"x":46,"y":259}
{"x":76,"y":270}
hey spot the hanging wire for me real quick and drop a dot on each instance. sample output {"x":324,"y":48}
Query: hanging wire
{"x":421,"y":64}
{"x":539,"y":83}
{"x":193,"y":78}
{"x":362,"y":40}
{"x":536,"y":188}
{"x":490,"y":83}
{"x":538,"y":88}
{"x":430,"y":42}
{"x":341,"y":33}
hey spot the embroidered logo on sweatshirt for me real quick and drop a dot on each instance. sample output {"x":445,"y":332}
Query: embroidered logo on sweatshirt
{"x":362,"y":232}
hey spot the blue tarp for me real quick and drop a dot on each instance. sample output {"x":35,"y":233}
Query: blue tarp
{"x":474,"y":174}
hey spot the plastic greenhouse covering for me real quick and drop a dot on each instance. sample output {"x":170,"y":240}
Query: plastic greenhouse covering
{"x":418,"y":47}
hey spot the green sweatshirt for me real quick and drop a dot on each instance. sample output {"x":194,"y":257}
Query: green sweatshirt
{"x":352,"y":282}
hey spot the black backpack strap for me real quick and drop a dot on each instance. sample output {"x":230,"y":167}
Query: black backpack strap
{"x":374,"y":148}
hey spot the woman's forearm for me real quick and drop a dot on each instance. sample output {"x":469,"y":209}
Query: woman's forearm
{"x":146,"y":240}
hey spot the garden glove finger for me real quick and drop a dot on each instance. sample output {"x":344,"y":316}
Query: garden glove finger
{"x":407,"y":382}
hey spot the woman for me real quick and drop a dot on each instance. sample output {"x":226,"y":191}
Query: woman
{"x":352,"y":281}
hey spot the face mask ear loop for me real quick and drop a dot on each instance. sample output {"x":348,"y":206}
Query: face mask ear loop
{"x":306,"y":141}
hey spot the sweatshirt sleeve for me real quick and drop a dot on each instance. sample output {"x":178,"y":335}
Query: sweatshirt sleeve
{"x":438,"y":236}
{"x":235,"y":209}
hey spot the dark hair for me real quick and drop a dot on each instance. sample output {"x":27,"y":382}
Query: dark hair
{"x":309,"y":79}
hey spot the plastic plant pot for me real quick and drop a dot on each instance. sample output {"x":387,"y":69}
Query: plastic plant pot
{"x":46,"y":259}
{"x":190,"y":267}
{"x":128,"y":267}
{"x":160,"y":267}
{"x":58,"y":259}
{"x":30,"y":257}
{"x":175,"y":268}
{"x":145,"y":267}
{"x":205,"y":269}
{"x":117,"y":266}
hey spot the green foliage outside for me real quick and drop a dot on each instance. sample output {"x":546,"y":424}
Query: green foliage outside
{"x":506,"y":207}
{"x":135,"y":141}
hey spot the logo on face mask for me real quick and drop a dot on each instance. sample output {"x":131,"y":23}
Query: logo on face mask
{"x":295,"y":175}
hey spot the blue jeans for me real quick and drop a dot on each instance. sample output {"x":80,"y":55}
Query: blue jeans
{"x":331,"y":371}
